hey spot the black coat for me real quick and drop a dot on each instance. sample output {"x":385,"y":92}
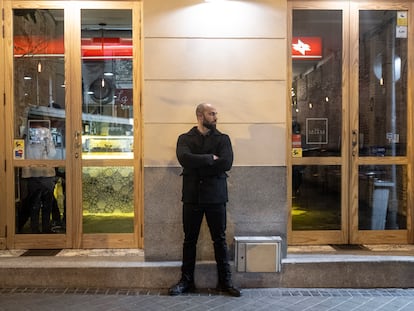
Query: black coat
{"x":204,"y":179}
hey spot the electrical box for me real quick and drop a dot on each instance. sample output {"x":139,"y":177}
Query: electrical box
{"x":258,"y":254}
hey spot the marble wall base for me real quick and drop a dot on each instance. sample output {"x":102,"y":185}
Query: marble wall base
{"x":257,"y":207}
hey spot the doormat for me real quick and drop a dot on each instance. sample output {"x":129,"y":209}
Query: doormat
{"x":349,"y":247}
{"x":41,"y":252}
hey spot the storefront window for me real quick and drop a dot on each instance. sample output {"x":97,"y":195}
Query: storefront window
{"x":40,"y":201}
{"x":382,"y":84}
{"x":316,"y":201}
{"x":382,"y":197}
{"x":108,"y":199}
{"x":107,"y":107}
{"x":39,"y":76}
{"x":317,"y":83}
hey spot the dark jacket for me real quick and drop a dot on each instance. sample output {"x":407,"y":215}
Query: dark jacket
{"x":204,"y":179}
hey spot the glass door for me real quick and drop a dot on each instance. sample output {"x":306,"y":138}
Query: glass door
{"x":73,"y":139}
{"x":380,"y":125}
{"x":350,"y":125}
{"x":38,"y":126}
{"x":107,"y":138}
{"x":319,"y":116}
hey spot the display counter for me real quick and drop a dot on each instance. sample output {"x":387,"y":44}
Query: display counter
{"x":96,"y":143}
{"x":107,"y":147}
{"x":107,"y":155}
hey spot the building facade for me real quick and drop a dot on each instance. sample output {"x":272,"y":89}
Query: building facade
{"x":315,"y":96}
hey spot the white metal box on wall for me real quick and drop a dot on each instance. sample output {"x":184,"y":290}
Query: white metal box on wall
{"x":258,"y":254}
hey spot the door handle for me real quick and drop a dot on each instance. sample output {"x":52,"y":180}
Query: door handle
{"x":78,"y":142}
{"x":354,"y":142}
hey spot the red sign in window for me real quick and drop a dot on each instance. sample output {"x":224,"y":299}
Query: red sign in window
{"x":296,"y":141}
{"x":306,"y":47}
{"x":92,"y":48}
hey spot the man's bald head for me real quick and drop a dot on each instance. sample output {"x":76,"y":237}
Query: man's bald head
{"x":202,"y":107}
{"x":206,"y":117}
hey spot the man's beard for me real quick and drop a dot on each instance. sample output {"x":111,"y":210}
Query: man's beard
{"x":210,"y":126}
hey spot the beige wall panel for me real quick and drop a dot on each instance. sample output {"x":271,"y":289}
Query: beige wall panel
{"x":236,"y":101}
{"x":253,"y":144}
{"x":160,"y":143}
{"x":195,"y":18}
{"x":257,"y":144}
{"x":236,"y":59}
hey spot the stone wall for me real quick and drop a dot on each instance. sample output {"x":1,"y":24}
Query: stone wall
{"x":257,"y":207}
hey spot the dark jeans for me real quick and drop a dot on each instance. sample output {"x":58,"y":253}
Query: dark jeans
{"x":40,"y":198}
{"x":216,"y":221}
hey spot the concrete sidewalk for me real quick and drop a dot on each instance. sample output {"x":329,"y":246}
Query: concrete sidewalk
{"x":313,"y":278}
{"x":273,"y":299}
{"x":304,"y":267}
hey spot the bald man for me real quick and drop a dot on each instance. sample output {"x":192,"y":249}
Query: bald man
{"x":205,"y":155}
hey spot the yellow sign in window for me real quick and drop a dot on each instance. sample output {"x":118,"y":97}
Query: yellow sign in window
{"x":296,"y":152}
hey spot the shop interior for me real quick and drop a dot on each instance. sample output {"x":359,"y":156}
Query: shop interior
{"x":317,"y":121}
{"x":107,"y":116}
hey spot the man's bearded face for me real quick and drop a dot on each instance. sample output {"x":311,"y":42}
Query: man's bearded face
{"x":210,"y":119}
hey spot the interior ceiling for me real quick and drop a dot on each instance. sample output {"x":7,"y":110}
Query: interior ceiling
{"x":109,"y":19}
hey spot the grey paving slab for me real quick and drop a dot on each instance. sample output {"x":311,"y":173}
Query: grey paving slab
{"x":103,"y":299}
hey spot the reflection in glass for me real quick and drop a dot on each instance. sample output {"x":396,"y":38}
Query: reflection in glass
{"x":316,"y":202}
{"x":107,"y":105}
{"x":39,"y":119}
{"x":382,"y":197}
{"x":108,"y":199}
{"x":39,"y":77}
{"x":40,"y":200}
{"x":382,"y":85}
{"x":316,"y":84}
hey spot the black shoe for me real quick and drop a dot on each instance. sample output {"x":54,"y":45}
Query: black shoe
{"x":181,"y":287}
{"x":229,"y":289}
